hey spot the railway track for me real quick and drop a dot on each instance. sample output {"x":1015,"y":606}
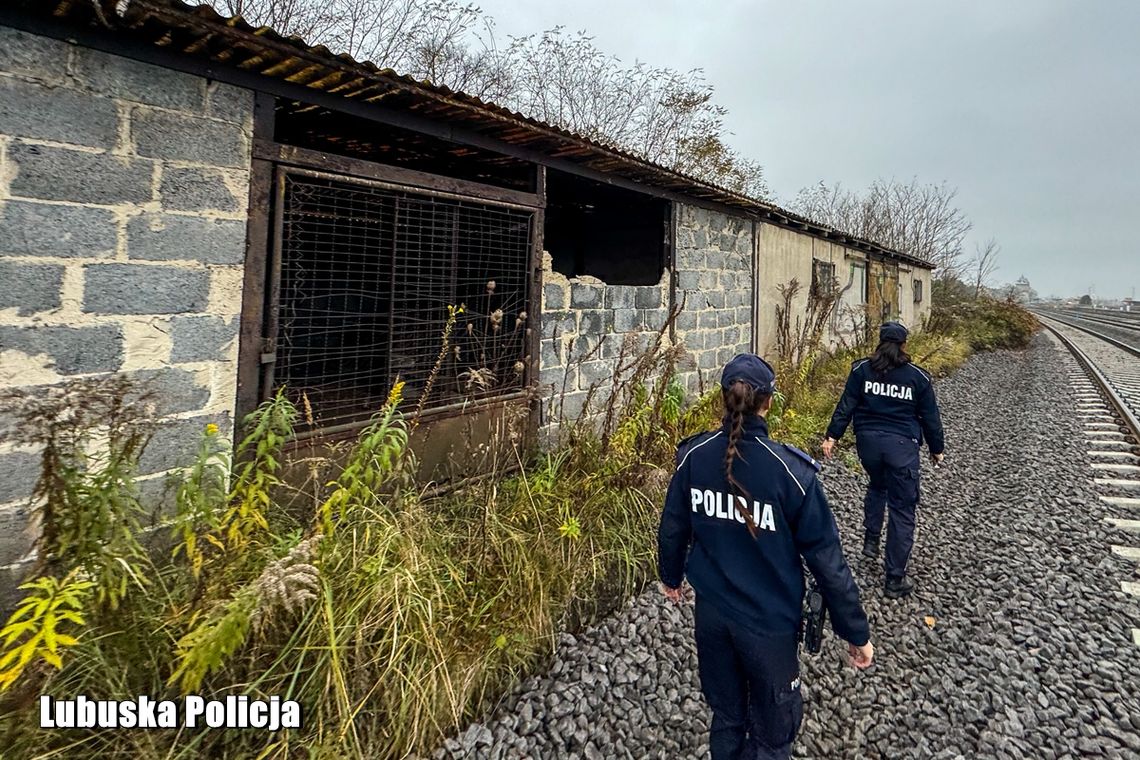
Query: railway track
{"x":1106,"y":391}
{"x":1121,"y":329}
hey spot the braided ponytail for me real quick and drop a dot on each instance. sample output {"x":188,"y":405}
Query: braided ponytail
{"x":739,"y":400}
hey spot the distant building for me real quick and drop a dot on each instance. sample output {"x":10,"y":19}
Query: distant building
{"x":1023,"y":292}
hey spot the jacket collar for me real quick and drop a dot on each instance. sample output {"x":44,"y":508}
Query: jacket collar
{"x":754,"y":425}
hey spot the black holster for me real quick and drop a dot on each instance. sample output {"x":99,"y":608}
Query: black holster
{"x":815,"y":616}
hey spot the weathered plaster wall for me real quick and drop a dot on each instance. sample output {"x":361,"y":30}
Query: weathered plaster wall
{"x":123,"y":193}
{"x":786,"y":254}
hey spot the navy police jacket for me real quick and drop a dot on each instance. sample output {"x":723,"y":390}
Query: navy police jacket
{"x":899,"y":401}
{"x":758,"y":581}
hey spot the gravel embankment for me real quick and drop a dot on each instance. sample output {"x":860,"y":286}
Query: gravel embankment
{"x":1030,"y":654}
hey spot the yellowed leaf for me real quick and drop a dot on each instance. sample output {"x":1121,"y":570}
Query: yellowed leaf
{"x":929,"y":620}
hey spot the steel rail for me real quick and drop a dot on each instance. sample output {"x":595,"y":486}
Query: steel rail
{"x":1106,"y":338}
{"x":1130,"y":325}
{"x":1123,"y":411}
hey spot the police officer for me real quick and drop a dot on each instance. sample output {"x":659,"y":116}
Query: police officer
{"x":892,"y":404}
{"x":740,"y":513}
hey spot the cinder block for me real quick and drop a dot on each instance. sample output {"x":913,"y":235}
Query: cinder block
{"x":560,"y":323}
{"x":175,"y":441}
{"x":71,"y":350}
{"x":585,"y":296}
{"x":707,"y":280}
{"x":626,"y":320}
{"x":10,"y":580}
{"x":716,"y":260}
{"x":550,"y":378}
{"x":197,"y":339}
{"x":550,"y":354}
{"x":177,"y":137}
{"x":598,"y":373}
{"x":33,"y":56}
{"x":571,"y":406}
{"x":158,"y":497}
{"x":229,"y":103}
{"x":60,"y":174}
{"x":595,"y":322}
{"x":19,"y":471}
{"x":171,"y":390}
{"x":708,"y":360}
{"x":620,"y":296}
{"x":648,"y":298}
{"x":28,"y":228}
{"x":707,"y":320}
{"x":30,"y":287}
{"x":140,"y":289}
{"x":168,"y":237}
{"x":56,"y":113}
{"x":553,"y":296}
{"x":17,"y":533}
{"x":700,"y":239}
{"x":132,"y":80}
{"x":190,"y":189}
{"x":688,"y":280}
{"x":686,"y":321}
{"x":715,"y":298}
{"x":653,"y":319}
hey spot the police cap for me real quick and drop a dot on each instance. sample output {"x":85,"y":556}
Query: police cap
{"x":892,"y":331}
{"x":751,"y":369}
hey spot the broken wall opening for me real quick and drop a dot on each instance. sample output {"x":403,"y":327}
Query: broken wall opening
{"x":620,"y":236}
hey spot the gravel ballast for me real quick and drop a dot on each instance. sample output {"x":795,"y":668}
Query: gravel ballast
{"x":1016,"y":644}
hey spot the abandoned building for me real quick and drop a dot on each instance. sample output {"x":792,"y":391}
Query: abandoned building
{"x":220,"y":211}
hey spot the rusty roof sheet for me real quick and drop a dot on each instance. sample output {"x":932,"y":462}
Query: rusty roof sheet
{"x":203,"y":33}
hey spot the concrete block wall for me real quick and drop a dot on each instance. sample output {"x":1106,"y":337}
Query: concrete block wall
{"x":584,"y":324}
{"x":713,"y":264}
{"x":123,"y":194}
{"x":585,"y":317}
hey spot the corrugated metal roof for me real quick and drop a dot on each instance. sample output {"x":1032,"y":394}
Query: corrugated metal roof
{"x":202,"y":33}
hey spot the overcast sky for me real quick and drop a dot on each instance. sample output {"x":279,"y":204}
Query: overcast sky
{"x":1031,"y":108}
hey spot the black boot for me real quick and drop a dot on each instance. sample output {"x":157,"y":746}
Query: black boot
{"x":870,"y":546}
{"x":896,"y":588}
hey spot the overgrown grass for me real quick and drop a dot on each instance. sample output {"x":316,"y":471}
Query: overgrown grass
{"x":392,"y":617}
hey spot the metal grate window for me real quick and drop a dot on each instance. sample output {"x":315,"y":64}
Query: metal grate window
{"x":367,"y":273}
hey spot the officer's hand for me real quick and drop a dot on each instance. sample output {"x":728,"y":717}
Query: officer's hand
{"x":828,"y":446}
{"x":936,"y":459}
{"x":672,"y":594}
{"x":861,"y":657}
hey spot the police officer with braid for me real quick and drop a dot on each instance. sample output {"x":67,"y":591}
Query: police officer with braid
{"x":741,"y":512}
{"x":891,"y":402}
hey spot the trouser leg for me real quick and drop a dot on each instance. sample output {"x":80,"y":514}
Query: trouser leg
{"x":875,"y":501}
{"x":775,"y":707}
{"x":902,"y":495}
{"x":722,"y":682}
